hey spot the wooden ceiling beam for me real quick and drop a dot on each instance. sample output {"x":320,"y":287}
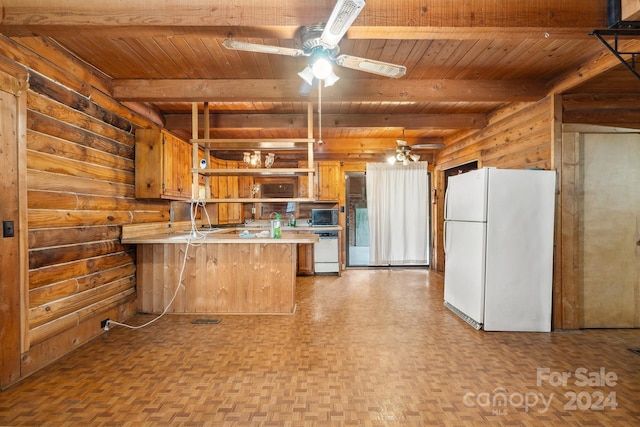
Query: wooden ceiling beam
{"x":616,"y":118}
{"x":369,"y":145}
{"x":249,"y":13}
{"x":343,"y":121}
{"x":630,"y":10}
{"x":386,"y":32}
{"x":363,"y":145}
{"x":601,"y":101}
{"x":602,"y":62}
{"x":365,"y":90}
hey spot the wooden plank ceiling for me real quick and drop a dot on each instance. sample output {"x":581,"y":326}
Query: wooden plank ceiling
{"x":464,"y":59}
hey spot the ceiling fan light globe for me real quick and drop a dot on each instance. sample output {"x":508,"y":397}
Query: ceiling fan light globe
{"x":400,"y":157}
{"x":322,"y":68}
{"x":331,"y":79}
{"x":307,"y":75}
{"x":391,"y":160}
{"x":415,"y":157}
{"x":405,"y":161}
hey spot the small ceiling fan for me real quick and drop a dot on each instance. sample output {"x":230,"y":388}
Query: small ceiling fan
{"x":403,"y":153}
{"x":320,"y":44}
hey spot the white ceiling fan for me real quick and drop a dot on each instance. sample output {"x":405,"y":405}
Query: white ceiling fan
{"x":320,"y":44}
{"x":403,"y":152}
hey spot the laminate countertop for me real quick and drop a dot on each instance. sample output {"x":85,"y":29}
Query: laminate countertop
{"x":248,"y":233}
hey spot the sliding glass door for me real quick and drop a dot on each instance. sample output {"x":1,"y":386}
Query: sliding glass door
{"x":357,"y":233}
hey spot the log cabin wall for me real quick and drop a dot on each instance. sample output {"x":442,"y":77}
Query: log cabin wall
{"x":80,"y":190}
{"x":518,"y":136}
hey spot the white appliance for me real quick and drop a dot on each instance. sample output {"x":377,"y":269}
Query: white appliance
{"x":498,"y":242}
{"x":325,"y":252}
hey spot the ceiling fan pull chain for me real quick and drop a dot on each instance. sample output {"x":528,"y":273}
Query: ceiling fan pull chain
{"x":320,"y":142}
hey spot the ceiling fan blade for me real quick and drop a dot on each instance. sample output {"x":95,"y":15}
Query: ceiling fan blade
{"x":260,"y":48}
{"x":342,"y":16}
{"x":380,"y":68}
{"x":433,"y":146}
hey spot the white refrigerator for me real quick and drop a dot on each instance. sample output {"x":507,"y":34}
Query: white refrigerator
{"x":498,"y":241}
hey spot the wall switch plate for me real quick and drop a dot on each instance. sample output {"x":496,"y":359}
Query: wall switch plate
{"x":7,"y":229}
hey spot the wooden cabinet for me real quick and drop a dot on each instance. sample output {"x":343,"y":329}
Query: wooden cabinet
{"x":327,"y":185}
{"x":162,"y":165}
{"x":227,"y":187}
{"x":305,"y":259}
{"x":328,"y":181}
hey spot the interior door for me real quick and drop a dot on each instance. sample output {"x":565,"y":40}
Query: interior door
{"x":610,"y":230}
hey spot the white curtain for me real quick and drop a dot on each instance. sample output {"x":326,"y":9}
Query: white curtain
{"x":398,"y":208}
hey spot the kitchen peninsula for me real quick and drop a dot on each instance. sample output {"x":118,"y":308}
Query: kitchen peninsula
{"x":222,"y":272}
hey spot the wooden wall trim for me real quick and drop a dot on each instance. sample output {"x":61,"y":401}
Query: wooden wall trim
{"x":568,"y":295}
{"x":13,"y":181}
{"x":556,"y":164}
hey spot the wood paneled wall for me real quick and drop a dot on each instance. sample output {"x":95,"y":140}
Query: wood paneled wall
{"x":80,"y":183}
{"x":517,"y":137}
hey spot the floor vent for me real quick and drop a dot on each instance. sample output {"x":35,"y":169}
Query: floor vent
{"x":206,"y":321}
{"x":635,"y":350}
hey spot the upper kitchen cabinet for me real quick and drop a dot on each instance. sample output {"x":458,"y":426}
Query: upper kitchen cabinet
{"x":327,"y":181}
{"x":162,"y":165}
{"x":227,"y":188}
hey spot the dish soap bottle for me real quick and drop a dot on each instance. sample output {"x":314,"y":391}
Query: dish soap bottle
{"x":277,"y":233}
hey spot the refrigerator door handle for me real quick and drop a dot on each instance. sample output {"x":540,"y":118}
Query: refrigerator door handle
{"x":444,"y":237}
{"x":446,"y":202}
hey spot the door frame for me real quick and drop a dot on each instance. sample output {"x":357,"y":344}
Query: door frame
{"x":14,"y":259}
{"x":348,"y":223}
{"x":567,"y":310}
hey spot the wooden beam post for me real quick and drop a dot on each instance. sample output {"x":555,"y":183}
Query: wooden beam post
{"x":310,"y":149}
{"x":207,"y":150}
{"x":195,"y":186}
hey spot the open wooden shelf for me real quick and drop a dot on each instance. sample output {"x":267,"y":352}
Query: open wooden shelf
{"x":261,"y":200}
{"x":255,"y":171}
{"x":254,"y":144}
{"x":266,"y":144}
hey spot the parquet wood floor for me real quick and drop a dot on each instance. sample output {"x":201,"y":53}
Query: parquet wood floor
{"x":373,"y":348}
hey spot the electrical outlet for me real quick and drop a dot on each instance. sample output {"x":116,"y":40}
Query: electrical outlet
{"x":7,"y":229}
{"x":105,"y":324}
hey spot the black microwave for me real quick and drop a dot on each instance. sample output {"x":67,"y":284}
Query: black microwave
{"x":324,"y":217}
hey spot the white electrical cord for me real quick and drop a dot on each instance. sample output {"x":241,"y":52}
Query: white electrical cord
{"x":195,"y":233}
{"x":180,"y":285}
{"x":193,"y":211}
